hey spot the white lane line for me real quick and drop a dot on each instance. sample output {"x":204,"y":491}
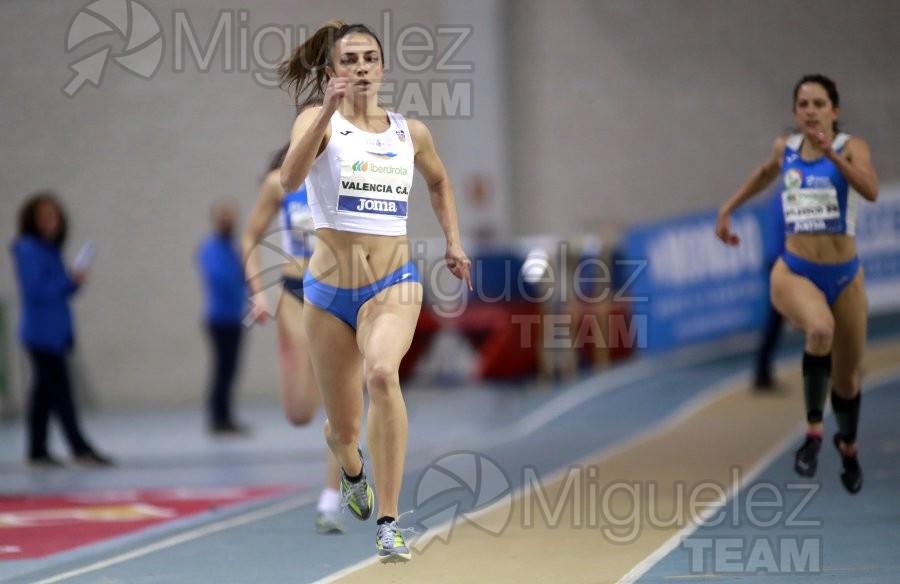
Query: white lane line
{"x":347,"y":571}
{"x":697,"y":403}
{"x":874,"y":382}
{"x":215,"y":527}
{"x":675,"y":540}
{"x":593,"y":387}
{"x":732,"y":384}
{"x":582,"y":392}
{"x":556,"y":408}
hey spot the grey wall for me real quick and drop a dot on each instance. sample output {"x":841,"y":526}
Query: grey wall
{"x":628,"y":110}
{"x":585,"y":113}
{"x":138,"y":163}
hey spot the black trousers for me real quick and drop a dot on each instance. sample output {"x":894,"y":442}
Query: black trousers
{"x":51,"y":393}
{"x":226,"y":345}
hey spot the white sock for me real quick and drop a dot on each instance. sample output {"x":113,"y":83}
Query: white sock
{"x":329,"y":500}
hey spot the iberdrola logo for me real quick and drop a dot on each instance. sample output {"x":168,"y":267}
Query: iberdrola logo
{"x":363,"y":166}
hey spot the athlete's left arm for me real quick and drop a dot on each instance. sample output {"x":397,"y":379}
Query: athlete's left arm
{"x":442,"y":199}
{"x":855,"y":163}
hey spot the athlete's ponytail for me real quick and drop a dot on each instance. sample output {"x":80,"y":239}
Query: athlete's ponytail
{"x":303,"y":73}
{"x":277,"y":159}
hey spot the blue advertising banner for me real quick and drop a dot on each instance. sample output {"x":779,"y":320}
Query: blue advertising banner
{"x":878,"y":244}
{"x":693,"y":288}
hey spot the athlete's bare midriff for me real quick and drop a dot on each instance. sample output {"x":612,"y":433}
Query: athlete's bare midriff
{"x":351,"y":260}
{"x":822,"y":248}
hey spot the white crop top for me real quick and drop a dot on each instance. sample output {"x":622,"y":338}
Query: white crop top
{"x":361,"y":181}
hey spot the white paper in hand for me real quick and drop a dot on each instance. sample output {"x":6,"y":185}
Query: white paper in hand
{"x":85,"y":257}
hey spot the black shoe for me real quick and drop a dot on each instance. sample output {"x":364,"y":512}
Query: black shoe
{"x":806,"y":460}
{"x":44,"y":461}
{"x":851,"y":473}
{"x":228,"y":429}
{"x":93,"y":459}
{"x":763,"y":381}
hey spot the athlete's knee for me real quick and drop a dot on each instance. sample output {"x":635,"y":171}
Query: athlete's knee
{"x":820,"y":334}
{"x":300,"y":405}
{"x":300,"y":416}
{"x":381,"y":379}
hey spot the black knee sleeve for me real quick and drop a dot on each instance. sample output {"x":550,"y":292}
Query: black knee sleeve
{"x":816,"y":373}
{"x":846,"y":413}
{"x":817,"y":364}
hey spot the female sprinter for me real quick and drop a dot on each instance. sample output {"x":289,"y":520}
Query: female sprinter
{"x":362,"y":292}
{"x":818,"y":283}
{"x":299,"y":394}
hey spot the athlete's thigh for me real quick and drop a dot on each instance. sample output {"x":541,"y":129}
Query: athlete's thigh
{"x":850,"y":328}
{"x":336,"y":360}
{"x":387,"y":322}
{"x":797,"y":298}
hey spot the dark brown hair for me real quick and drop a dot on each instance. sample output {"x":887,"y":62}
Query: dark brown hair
{"x":278,"y":157}
{"x":28,"y":216}
{"x":303,"y":73}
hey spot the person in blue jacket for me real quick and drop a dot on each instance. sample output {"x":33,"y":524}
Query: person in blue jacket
{"x":226,"y":305}
{"x":46,"y":329}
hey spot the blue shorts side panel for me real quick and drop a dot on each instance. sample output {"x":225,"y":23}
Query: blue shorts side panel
{"x":345,"y":303}
{"x":831,"y":279}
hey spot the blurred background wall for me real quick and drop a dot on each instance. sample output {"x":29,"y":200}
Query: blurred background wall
{"x":629,"y":110}
{"x":580,"y":114}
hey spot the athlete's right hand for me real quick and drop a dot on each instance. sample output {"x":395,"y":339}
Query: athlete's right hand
{"x":459,"y":264}
{"x":723,"y":230}
{"x":335,"y":92}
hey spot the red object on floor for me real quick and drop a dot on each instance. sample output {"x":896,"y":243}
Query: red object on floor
{"x":508,"y":335}
{"x":505,"y":336}
{"x":35,"y":527}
